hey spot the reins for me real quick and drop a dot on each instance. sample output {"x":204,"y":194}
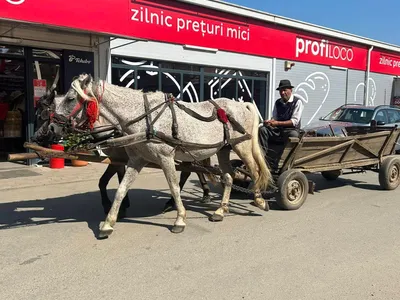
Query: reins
{"x":217,"y":113}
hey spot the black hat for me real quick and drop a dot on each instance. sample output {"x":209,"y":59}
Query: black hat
{"x":284,"y":84}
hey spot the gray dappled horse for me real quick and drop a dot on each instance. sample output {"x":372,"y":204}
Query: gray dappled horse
{"x":44,"y":137}
{"x":205,"y":128}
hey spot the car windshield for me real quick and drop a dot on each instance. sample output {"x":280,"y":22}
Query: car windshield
{"x":349,"y":114}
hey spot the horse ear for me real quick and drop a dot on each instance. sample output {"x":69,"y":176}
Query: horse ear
{"x":86,"y":79}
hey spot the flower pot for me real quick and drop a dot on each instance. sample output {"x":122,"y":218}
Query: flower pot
{"x":79,"y":163}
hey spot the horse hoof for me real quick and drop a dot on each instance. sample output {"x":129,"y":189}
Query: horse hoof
{"x":264,"y":207}
{"x":206,"y":199}
{"x":177,"y":229}
{"x":105,"y":232}
{"x":216,"y":218}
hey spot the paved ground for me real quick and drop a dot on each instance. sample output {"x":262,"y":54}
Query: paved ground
{"x":342,"y":244}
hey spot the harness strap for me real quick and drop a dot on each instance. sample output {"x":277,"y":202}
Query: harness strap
{"x":174,"y":121}
{"x":144,"y":115}
{"x":149,"y":130}
{"x":159,"y":114}
{"x":194,"y":114}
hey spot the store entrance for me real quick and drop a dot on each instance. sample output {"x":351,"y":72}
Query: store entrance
{"x":25,"y":75}
{"x":13,"y":116}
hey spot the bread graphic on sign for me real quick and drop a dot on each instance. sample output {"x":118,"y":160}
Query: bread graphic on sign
{"x":315,"y":88}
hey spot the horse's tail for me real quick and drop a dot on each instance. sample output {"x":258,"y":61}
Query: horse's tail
{"x":265,"y":178}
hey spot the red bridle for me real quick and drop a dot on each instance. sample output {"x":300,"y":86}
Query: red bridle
{"x":92,"y":110}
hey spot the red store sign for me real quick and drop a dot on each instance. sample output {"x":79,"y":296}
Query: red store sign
{"x":382,"y":62}
{"x":174,"y":22}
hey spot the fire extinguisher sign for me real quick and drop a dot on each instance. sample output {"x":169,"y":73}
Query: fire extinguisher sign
{"x":39,"y":89}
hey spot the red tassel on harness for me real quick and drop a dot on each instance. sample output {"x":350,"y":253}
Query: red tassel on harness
{"x":91,"y":112}
{"x":222,"y":115}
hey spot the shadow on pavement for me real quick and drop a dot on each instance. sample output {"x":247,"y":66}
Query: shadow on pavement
{"x":86,"y":207}
{"x":322,"y":184}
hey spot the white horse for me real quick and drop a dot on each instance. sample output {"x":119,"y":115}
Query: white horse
{"x":172,"y":131}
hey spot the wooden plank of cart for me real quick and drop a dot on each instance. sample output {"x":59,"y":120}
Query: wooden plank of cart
{"x":362,"y":149}
{"x":359,"y":150}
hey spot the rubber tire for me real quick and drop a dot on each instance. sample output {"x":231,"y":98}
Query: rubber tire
{"x":385,"y":173}
{"x":283,"y":184}
{"x":331,"y":175}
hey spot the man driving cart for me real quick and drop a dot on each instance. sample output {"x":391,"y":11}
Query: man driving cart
{"x":286,"y":117}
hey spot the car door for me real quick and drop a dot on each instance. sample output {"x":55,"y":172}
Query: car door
{"x":393,"y":115}
{"x":381,"y":116}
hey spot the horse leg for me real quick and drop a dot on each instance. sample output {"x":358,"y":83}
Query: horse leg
{"x":206,"y":189}
{"x":103,"y":182}
{"x":168,"y":167}
{"x":226,"y":168}
{"x":135,"y":165}
{"x":171,"y":202}
{"x":126,"y":202}
{"x":243,"y":150}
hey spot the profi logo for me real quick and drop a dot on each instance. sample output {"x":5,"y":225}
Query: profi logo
{"x":73,"y":58}
{"x":15,"y":2}
{"x":324,"y":49}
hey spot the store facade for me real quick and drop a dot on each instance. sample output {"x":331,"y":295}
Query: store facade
{"x":195,"y":49}
{"x":326,"y":71}
{"x":33,"y":58}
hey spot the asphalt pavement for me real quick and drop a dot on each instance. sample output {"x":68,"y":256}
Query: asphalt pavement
{"x":343,"y":243}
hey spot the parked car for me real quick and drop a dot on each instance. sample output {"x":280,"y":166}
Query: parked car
{"x":355,"y":115}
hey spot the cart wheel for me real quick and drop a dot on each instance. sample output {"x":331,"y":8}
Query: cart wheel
{"x":389,"y":173}
{"x":293,"y":189}
{"x":331,"y":175}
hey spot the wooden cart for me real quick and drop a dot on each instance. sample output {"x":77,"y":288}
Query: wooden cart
{"x":363,"y":148}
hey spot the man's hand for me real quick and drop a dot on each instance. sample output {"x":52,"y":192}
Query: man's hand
{"x":272,"y":123}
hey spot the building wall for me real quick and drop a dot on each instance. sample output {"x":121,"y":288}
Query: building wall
{"x":324,"y":88}
{"x":42,"y":37}
{"x":225,"y":63}
{"x":102,"y":59}
{"x":355,"y":87}
{"x":177,"y":53}
{"x":321,"y":88}
{"x":380,"y":89}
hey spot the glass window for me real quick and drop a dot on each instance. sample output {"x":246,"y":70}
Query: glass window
{"x":12,"y":85}
{"x":381,"y":116}
{"x":393,"y":116}
{"x":171,"y":83}
{"x":245,"y":90}
{"x":191,"y":88}
{"x":228,"y":88}
{"x":260,"y":96}
{"x":180,"y":66}
{"x":191,"y":83}
{"x":11,"y":50}
{"x":211,"y":87}
{"x":51,"y":54}
{"x":354,"y":115}
{"x":147,"y":80}
{"x":123,"y":77}
{"x":252,"y":73}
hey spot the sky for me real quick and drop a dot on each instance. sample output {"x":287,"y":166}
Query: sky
{"x":378,"y":20}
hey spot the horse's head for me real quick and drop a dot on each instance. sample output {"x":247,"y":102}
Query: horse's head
{"x":78,"y":109}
